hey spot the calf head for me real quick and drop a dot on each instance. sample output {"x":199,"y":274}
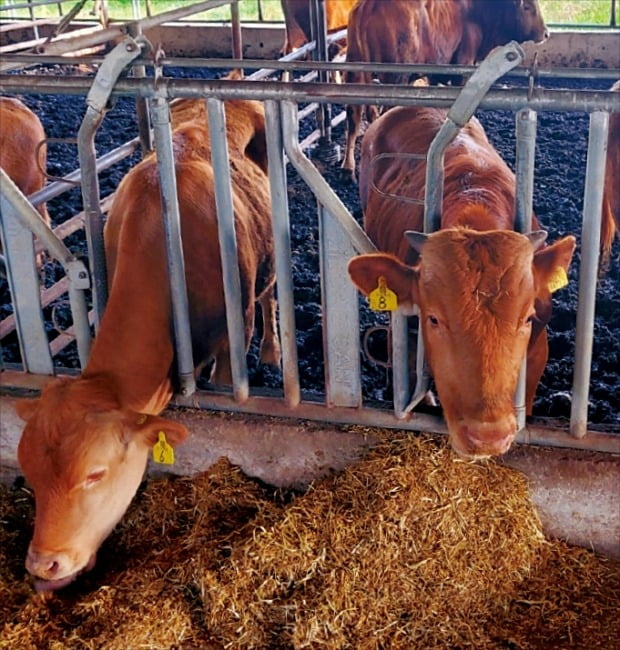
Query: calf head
{"x":84,"y":457}
{"x":529,"y":23}
{"x":478,"y":294}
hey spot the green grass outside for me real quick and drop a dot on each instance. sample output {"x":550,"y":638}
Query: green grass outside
{"x":571,"y":12}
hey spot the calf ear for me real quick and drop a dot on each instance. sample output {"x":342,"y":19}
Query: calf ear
{"x":149,"y":426}
{"x":26,"y":408}
{"x":366,"y":270}
{"x":551,"y":264}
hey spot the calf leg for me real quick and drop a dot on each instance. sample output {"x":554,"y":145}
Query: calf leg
{"x":354,"y":117}
{"x":270,"y":343}
{"x":221,"y":373}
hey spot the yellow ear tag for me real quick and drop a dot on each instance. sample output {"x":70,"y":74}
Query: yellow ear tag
{"x":557,"y":280}
{"x":163,"y":452}
{"x":382,"y":298}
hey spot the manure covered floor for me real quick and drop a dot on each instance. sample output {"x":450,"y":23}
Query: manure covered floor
{"x":409,"y":547}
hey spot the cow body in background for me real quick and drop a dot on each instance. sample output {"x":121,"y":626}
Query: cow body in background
{"x":297,"y":20}
{"x":610,"y":219}
{"x":85,"y":444}
{"x":484,"y":291}
{"x":430,"y":31}
{"x":22,"y":156}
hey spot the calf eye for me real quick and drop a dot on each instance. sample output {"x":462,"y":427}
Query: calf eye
{"x":433,"y":320}
{"x":94,"y":477}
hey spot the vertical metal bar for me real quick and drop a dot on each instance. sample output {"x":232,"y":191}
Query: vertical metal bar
{"x":319,"y":34}
{"x":33,"y":18}
{"x":142,"y":107}
{"x":282,"y":246}
{"x":92,"y":212}
{"x":31,"y":220}
{"x":24,"y":285}
{"x":228,"y":246}
{"x":400,"y":364}
{"x":237,"y":40}
{"x":340,"y":238}
{"x":526,"y":123}
{"x":525,"y":130}
{"x":174,"y":249}
{"x":588,"y":270}
{"x":341,"y":327}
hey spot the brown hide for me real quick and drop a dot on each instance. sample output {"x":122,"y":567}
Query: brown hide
{"x":297,"y":20}
{"x":483,"y":290}
{"x":21,"y":157}
{"x":86,"y":440}
{"x":430,"y":31}
{"x":610,"y":224}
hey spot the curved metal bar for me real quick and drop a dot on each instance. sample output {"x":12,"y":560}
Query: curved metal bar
{"x":500,"y":61}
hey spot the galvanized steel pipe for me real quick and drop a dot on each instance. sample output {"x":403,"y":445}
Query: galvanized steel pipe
{"x":172,"y":228}
{"x":525,"y":135}
{"x":228,"y":248}
{"x":282,"y":247}
{"x":588,"y":270}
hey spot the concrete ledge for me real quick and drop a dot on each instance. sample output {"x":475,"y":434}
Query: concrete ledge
{"x":575,"y":492}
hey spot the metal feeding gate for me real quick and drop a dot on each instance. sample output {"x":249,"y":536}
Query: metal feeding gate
{"x":340,"y":236}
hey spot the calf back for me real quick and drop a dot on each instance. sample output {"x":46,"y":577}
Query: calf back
{"x":23,"y":151}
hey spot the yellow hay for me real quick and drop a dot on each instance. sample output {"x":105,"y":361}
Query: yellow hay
{"x":410,"y":548}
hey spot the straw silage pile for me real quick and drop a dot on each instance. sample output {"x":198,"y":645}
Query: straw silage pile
{"x":410,"y":548}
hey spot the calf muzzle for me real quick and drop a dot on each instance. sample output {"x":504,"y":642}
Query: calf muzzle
{"x":54,"y":570}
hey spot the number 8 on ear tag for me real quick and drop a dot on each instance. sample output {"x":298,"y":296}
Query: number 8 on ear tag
{"x":382,"y":298}
{"x":163,"y":453}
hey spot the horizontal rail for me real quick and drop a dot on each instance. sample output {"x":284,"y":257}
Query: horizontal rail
{"x":538,"y":432}
{"x":32,"y":4}
{"x":538,"y":99}
{"x":535,"y":434}
{"x":294,"y":61}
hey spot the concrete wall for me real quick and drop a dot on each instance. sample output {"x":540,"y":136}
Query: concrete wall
{"x":564,"y":48}
{"x":593,"y":48}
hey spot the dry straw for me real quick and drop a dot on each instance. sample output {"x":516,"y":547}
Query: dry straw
{"x":410,"y":548}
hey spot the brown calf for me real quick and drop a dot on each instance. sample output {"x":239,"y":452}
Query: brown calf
{"x":86,"y":440}
{"x":484,"y":291}
{"x":430,"y":31}
{"x":22,"y":156}
{"x":610,"y":224}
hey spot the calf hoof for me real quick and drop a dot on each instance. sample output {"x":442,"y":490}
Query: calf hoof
{"x":271,"y":354}
{"x":347,"y":176}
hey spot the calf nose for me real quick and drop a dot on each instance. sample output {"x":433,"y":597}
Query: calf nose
{"x":44,"y":565}
{"x":483,"y":439}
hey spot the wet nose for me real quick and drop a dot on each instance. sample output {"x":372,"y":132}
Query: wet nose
{"x":478,"y":439}
{"x":43,"y":565}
